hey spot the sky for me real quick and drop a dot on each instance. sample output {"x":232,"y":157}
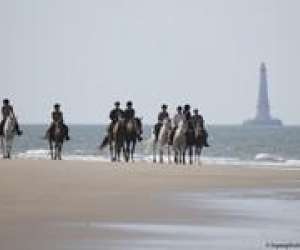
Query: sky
{"x":86,"y":54}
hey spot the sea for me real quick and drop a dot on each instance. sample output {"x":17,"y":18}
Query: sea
{"x":229,"y":145}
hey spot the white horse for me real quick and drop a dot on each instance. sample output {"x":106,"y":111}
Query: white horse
{"x":162,"y":141}
{"x":9,"y":132}
{"x":179,"y":142}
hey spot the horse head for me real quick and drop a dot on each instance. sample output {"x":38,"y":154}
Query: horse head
{"x":182,"y":127}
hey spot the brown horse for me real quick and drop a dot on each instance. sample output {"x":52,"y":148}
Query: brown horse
{"x":133,"y":131}
{"x":56,"y":138}
{"x":199,"y":142}
{"x":116,"y":140}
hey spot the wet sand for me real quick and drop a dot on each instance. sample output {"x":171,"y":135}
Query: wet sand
{"x":95,"y":205}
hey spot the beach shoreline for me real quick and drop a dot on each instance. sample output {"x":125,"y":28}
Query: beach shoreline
{"x":75,"y":201}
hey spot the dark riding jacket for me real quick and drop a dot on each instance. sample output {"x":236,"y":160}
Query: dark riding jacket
{"x":187,"y":115}
{"x":162,"y":115}
{"x":129,"y":114}
{"x":198,"y":119}
{"x":115,"y":114}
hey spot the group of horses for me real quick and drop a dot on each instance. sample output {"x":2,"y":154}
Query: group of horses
{"x":56,"y":137}
{"x":185,"y":139}
{"x":122,"y":138}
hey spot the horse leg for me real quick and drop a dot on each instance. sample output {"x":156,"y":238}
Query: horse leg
{"x":2,"y":146}
{"x":169,"y":155}
{"x":111,"y":150}
{"x":183,"y":156}
{"x":154,"y":151}
{"x":161,"y":154}
{"x":175,"y":156}
{"x":126,"y":150}
{"x":59,"y":151}
{"x":191,"y":154}
{"x":117,"y":154}
{"x":51,"y":150}
{"x":199,"y":155}
{"x":4,"y":143}
{"x":55,"y":152}
{"x":133,"y":150}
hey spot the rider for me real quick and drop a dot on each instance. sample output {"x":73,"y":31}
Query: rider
{"x":187,"y":112}
{"x":161,"y":116}
{"x":115,"y":115}
{"x":129,"y":114}
{"x":176,"y":119}
{"x":198,"y":119}
{"x":57,"y":116}
{"x":6,"y":110}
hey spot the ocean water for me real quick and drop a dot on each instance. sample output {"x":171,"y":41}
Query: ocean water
{"x":229,"y":144}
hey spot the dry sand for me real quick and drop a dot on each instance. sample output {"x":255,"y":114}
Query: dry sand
{"x":95,"y":205}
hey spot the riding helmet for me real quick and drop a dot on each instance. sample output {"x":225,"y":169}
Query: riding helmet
{"x":56,"y":105}
{"x":117,"y":103}
{"x":6,"y":101}
{"x":179,"y":108}
{"x":164,"y":106}
{"x":187,"y":107}
{"x":129,"y":104}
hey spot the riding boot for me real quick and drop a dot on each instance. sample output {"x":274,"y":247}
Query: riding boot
{"x":19,"y":132}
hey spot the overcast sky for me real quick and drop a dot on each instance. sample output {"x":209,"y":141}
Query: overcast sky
{"x":86,"y":54}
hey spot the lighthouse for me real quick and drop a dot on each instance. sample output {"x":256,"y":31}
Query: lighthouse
{"x":263,"y":114}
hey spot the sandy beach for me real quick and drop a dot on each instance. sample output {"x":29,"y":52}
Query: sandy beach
{"x":96,"y":205}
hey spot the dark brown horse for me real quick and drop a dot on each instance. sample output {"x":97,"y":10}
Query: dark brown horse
{"x":56,"y":138}
{"x":133,"y":131}
{"x":199,"y":143}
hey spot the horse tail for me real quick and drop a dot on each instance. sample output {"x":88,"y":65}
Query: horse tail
{"x":104,"y":143}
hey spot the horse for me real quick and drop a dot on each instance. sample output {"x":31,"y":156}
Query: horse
{"x":57,"y":135}
{"x":190,"y":141}
{"x":116,"y":140}
{"x":9,"y":132}
{"x":179,"y":142}
{"x":162,"y":141}
{"x":199,"y":142}
{"x":133,"y":131}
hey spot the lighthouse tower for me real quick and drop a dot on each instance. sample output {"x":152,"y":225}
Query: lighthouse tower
{"x":263,"y":115}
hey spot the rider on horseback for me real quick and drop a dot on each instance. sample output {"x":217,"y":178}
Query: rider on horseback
{"x":57,"y":116}
{"x":161,"y":116}
{"x":6,"y":110}
{"x":129,"y":115}
{"x":115,"y":115}
{"x":187,"y":112}
{"x":129,"y":112}
{"x":198,"y":120}
{"x":176,"y":119}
